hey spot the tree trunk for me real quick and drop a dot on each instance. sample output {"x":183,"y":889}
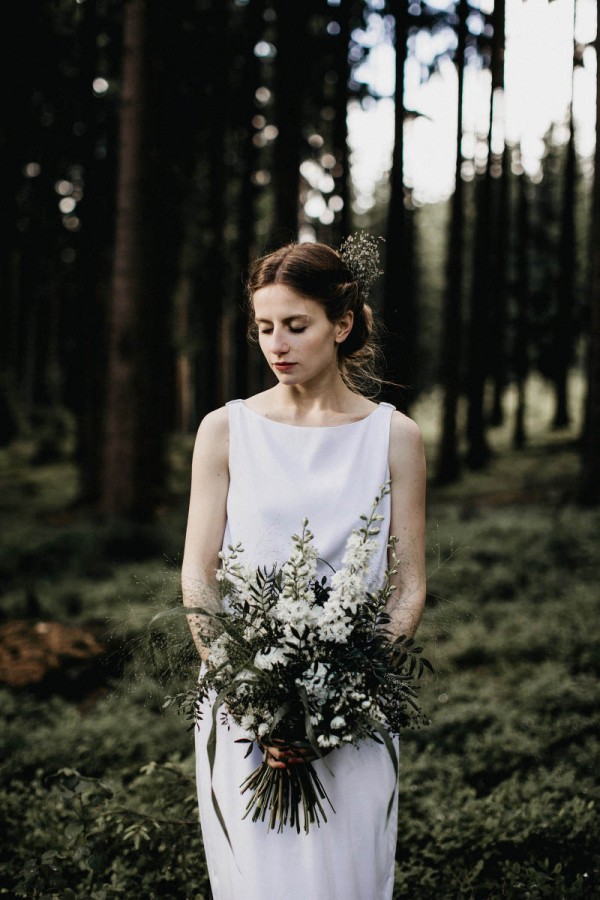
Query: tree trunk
{"x":448,"y":463}
{"x":485,"y":271}
{"x":88,"y":390}
{"x":341,"y":170}
{"x":498,"y":362}
{"x":28,"y":57}
{"x":15,"y":97}
{"x":245,"y":245}
{"x":399,"y":313}
{"x":289,"y":95}
{"x":562,"y":351}
{"x":210,"y":280}
{"x":133,"y":470}
{"x":521,"y":347}
{"x":479,"y":335}
{"x":589,"y":484}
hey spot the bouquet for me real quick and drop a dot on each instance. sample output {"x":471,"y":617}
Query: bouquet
{"x":305,"y":661}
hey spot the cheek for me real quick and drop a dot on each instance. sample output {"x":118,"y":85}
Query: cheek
{"x":263,"y":348}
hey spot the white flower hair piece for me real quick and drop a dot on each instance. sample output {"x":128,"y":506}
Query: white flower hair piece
{"x":360,"y":253}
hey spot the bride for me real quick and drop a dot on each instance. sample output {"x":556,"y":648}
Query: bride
{"x":314,"y":446}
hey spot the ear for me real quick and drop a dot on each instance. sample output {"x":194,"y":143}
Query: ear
{"x":343,"y":327}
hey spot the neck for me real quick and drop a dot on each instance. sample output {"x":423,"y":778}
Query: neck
{"x":327,"y":394}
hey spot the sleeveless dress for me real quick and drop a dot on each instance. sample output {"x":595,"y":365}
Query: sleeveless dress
{"x":280,"y":474}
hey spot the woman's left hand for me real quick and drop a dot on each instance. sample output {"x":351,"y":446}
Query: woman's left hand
{"x":280,"y":755}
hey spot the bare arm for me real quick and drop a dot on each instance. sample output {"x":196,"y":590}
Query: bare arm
{"x":407,"y":472}
{"x":206,"y":521}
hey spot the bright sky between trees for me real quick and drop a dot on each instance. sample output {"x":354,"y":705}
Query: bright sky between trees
{"x":538,"y":80}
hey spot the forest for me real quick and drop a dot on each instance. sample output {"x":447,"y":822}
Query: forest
{"x":149,"y":153}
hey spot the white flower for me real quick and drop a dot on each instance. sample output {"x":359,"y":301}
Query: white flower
{"x":247,"y":722}
{"x":335,"y":630}
{"x":337,"y":723}
{"x":296,"y":613}
{"x":348,"y":591}
{"x":242,"y":579}
{"x":263,"y":729}
{"x":358,"y":551}
{"x":315,"y":682}
{"x":299,"y":570}
{"x":275,"y":657}
{"x":328,"y":740}
{"x":346,"y":581}
{"x":218,"y":654}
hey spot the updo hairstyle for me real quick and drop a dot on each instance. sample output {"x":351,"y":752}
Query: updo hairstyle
{"x":318,"y":272}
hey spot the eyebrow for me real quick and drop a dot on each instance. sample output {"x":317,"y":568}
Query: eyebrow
{"x":287,"y":320}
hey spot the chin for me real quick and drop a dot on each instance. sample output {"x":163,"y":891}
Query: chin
{"x":287,"y":378}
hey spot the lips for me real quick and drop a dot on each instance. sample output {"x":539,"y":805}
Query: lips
{"x":283,"y":367}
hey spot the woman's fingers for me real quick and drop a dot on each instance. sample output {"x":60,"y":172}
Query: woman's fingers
{"x":272,"y":756}
{"x":278,"y":756}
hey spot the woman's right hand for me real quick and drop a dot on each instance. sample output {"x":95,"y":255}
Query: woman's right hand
{"x":280,"y":755}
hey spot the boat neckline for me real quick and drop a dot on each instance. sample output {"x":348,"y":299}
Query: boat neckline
{"x":313,"y":427}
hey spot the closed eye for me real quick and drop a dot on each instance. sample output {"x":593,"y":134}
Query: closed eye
{"x":299,"y":330}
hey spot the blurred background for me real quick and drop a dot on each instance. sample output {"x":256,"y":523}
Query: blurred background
{"x":148,"y":153}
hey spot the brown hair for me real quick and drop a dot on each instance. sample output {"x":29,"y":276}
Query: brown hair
{"x":319,"y":272}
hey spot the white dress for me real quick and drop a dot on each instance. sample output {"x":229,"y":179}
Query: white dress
{"x":280,"y":474}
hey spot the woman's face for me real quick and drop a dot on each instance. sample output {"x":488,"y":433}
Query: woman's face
{"x":295,"y":335}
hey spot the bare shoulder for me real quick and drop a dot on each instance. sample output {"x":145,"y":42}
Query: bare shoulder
{"x":406,"y":445}
{"x":262,"y":402}
{"x":404,"y":432}
{"x":216,"y":423}
{"x":213,"y":434}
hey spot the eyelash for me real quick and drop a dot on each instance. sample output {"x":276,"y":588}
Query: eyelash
{"x":293,"y":330}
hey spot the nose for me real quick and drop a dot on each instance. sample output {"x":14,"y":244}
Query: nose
{"x":279,"y":344}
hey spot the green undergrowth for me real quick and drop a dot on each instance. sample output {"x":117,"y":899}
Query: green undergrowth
{"x":498,"y":796}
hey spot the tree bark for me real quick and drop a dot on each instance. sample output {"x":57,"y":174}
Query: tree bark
{"x":498,"y":361}
{"x":245,"y":244}
{"x":563,"y":328}
{"x":289,"y":95}
{"x":448,"y":463}
{"x":15,"y":91}
{"x":88,"y":389}
{"x":399,"y":303}
{"x":133,"y":469}
{"x":341,"y":170}
{"x":210,"y":290}
{"x":485,"y":271}
{"x":521,"y":347}
{"x":589,"y":482}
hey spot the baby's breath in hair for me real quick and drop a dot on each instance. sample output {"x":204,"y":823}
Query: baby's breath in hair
{"x":360,"y":253}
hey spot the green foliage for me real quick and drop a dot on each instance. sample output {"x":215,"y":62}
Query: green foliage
{"x":498,"y":796}
{"x":97,"y":839}
{"x":121,"y":819}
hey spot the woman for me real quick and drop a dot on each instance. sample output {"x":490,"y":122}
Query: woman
{"x":314,"y":446}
